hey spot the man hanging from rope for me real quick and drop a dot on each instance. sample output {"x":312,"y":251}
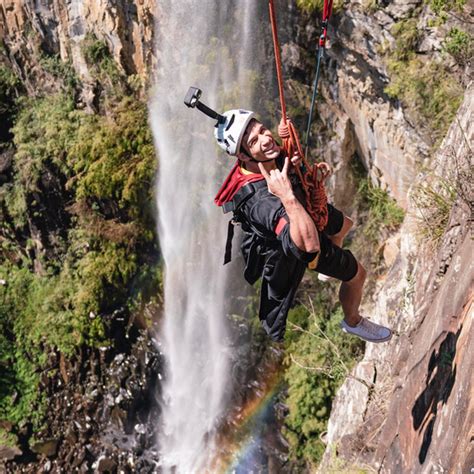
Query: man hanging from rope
{"x":287,"y":222}
{"x":280,"y":237}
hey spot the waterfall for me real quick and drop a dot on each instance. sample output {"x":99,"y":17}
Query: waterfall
{"x":210,"y":45}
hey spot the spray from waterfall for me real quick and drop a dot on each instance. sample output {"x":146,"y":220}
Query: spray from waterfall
{"x":207,"y":44}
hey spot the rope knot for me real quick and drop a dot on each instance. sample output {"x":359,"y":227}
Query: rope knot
{"x":284,"y":130}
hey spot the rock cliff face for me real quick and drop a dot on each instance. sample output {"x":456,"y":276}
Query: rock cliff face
{"x":30,"y":29}
{"x":415,"y":414}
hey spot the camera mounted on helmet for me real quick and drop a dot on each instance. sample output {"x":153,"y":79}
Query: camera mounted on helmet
{"x":231,"y":125}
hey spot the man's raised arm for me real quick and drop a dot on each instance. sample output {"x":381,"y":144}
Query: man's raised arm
{"x":303,"y":231}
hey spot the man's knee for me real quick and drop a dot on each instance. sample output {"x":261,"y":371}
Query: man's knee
{"x":347,"y":225}
{"x":359,"y":277}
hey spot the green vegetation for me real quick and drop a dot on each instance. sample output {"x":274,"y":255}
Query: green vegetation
{"x":407,"y":37}
{"x":104,"y":69}
{"x":460,"y":45}
{"x":9,"y":85}
{"x":381,"y":211}
{"x":441,"y":7}
{"x":10,"y":88}
{"x":319,"y":358}
{"x":434,"y":200}
{"x":426,"y":88}
{"x":317,"y":5}
{"x":94,"y":174}
{"x":60,"y":70}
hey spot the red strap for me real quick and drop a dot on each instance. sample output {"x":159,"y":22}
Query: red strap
{"x":280,"y":225}
{"x":327,"y":11}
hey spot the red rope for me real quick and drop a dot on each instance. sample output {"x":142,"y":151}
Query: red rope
{"x":276,"y":47}
{"x":311,"y":176}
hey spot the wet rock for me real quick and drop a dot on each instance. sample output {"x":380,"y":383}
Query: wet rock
{"x":105,"y":464}
{"x":48,"y":447}
{"x":9,"y":452}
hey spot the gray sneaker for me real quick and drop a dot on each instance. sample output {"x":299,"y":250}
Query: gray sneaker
{"x":368,"y":331}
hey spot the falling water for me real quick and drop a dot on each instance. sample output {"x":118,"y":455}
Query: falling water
{"x":208,"y":44}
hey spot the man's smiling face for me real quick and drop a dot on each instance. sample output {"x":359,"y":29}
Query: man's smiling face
{"x":259,"y":143}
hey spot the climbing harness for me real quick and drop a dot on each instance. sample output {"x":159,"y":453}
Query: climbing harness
{"x":311,"y":176}
{"x":327,"y":10}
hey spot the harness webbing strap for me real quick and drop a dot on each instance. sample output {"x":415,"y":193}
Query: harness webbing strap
{"x":228,"y":244}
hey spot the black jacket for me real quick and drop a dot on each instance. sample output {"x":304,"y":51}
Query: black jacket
{"x":274,"y":258}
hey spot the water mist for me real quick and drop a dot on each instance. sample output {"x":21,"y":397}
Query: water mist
{"x":207,"y":44}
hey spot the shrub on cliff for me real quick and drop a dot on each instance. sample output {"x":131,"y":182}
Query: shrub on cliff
{"x":428,"y":90}
{"x":105,"y":167}
{"x":460,"y":45}
{"x":316,"y":5}
{"x":319,"y":358}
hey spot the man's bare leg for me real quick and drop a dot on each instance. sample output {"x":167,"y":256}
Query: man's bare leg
{"x":338,"y":239}
{"x":350,"y":296}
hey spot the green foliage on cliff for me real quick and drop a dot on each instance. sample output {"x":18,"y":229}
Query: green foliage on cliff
{"x":441,"y":7}
{"x":115,"y":160}
{"x":381,"y":211}
{"x":460,"y":45}
{"x":103,"y":67}
{"x":77,"y":235}
{"x":406,"y":38}
{"x":9,"y":85}
{"x":10,"y":88}
{"x":317,"y":5}
{"x":62,"y":71}
{"x":319,"y":358}
{"x":426,"y":88}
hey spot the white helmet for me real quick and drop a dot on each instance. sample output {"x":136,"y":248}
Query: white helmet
{"x":229,"y":133}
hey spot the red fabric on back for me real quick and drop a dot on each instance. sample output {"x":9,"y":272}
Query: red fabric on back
{"x":234,"y":181}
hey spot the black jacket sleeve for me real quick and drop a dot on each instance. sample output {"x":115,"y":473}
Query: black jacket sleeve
{"x":264,"y":216}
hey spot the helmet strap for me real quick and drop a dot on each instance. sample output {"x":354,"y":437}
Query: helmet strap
{"x":253,"y":160}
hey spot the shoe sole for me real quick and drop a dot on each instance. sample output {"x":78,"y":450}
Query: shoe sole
{"x":322,"y":277}
{"x":385,"y":339}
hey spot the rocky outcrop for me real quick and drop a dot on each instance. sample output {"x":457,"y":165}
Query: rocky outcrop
{"x":32,"y":30}
{"x":416,"y":415}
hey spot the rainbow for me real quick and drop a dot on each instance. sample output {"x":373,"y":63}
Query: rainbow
{"x":237,"y":444}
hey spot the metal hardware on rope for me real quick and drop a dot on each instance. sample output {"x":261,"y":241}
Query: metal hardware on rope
{"x":327,"y":11}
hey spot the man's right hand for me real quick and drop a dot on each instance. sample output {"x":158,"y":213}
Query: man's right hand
{"x":277,"y":181}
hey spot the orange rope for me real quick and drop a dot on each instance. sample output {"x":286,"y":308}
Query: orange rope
{"x":311,"y":176}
